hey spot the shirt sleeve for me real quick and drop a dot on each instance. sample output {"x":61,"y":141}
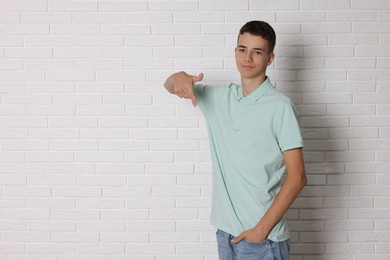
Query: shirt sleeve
{"x":203,"y":96}
{"x":287,"y":129}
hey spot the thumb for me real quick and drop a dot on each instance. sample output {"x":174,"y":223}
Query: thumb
{"x":238,"y":239}
{"x":197,"y":78}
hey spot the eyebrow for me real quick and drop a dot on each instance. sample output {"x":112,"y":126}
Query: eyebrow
{"x":244,"y":47}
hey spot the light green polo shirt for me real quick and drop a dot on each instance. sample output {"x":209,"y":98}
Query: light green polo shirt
{"x":247,"y":135}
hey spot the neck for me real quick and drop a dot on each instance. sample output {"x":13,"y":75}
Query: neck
{"x":249,"y":85}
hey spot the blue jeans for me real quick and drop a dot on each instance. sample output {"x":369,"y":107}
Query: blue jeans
{"x":266,"y":250}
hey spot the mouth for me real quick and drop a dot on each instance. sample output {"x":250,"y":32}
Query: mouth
{"x":246,"y":67}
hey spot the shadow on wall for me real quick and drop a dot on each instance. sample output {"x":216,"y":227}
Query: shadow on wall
{"x":312,"y":221}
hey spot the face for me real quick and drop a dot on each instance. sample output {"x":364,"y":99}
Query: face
{"x":252,"y":56}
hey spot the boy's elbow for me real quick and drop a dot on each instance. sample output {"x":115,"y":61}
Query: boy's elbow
{"x":302,"y":180}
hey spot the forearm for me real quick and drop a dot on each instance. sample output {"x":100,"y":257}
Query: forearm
{"x":286,"y":196}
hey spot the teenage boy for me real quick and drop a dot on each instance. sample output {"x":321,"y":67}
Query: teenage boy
{"x":254,"y":139}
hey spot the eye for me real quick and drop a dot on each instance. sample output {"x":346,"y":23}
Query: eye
{"x":257,"y":52}
{"x":241,"y":50}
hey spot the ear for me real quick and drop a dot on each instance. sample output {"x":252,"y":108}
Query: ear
{"x":271,"y":58}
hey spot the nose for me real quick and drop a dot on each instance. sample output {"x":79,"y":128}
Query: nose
{"x":248,"y":56}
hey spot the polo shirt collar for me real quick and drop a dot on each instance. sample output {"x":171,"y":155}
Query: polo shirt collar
{"x":257,"y":94}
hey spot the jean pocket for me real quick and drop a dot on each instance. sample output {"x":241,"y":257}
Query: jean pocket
{"x":256,"y":243}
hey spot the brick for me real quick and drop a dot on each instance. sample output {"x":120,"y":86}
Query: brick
{"x":36,"y":237}
{"x":21,"y":76}
{"x":350,"y":156}
{"x":319,"y":51}
{"x":99,"y":157}
{"x":125,"y":215}
{"x":99,"y":87}
{"x":70,"y":76}
{"x":153,"y":180}
{"x":353,"y":179}
{"x":12,"y":202}
{"x":352,"y":39}
{"x":75,"y":29}
{"x":377,"y":4}
{"x":351,"y":248}
{"x":77,"y":192}
{"x":196,"y":248}
{"x":48,"y":41}
{"x":120,"y":6}
{"x":73,"y":122}
{"x":21,"y":168}
{"x":46,"y":18}
{"x":306,"y":63}
{"x":150,"y":64}
{"x":124,"y":29}
{"x":124,"y":146}
{"x":178,"y":52}
{"x":382,"y":225}
{"x":312,"y":16}
{"x":79,"y":237}
{"x":104,"y":133}
{"x":18,"y":145}
{"x":193,"y":17}
{"x":48,"y":64}
{"x":370,"y":28}
{"x":95,"y":64}
{"x":153,"y":134}
{"x":96,"y":18}
{"x":331,"y":122}
{"x":151,"y":203}
{"x":149,"y":157}
{"x":11,"y":41}
{"x":26,"y":214}
{"x":173,"y":6}
{"x":83,"y":257}
{"x":43,"y":87}
{"x":351,"y":63}
{"x":186,"y":225}
{"x":11,"y":65}
{"x":12,"y":248}
{"x":349,"y":225}
{"x":51,"y":248}
{"x":275,"y":5}
{"x":176,"y":237}
{"x":72,"y":6}
{"x":334,"y":4}
{"x":174,"y":145}
{"x":176,"y":214}
{"x":321,"y":75}
{"x":351,"y":16}
{"x":176,"y":191}
{"x":100,"y":203}
{"x":12,"y":157}
{"x":25,"y":29}
{"x":123,"y":122}
{"x":329,"y":191}
{"x":120,"y":76}
{"x":119,"y":168}
{"x":29,"y":99}
{"x":102,"y":180}
{"x":52,"y":180}
{"x":326,"y":28}
{"x":101,"y":249}
{"x":122,"y":237}
{"x":50,"y":157}
{"x":148,"y":18}
{"x":54,"y":134}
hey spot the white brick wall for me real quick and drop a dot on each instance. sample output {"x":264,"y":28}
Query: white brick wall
{"x":98,"y":162}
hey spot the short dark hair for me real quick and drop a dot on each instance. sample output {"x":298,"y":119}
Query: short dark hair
{"x":260,"y":28}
